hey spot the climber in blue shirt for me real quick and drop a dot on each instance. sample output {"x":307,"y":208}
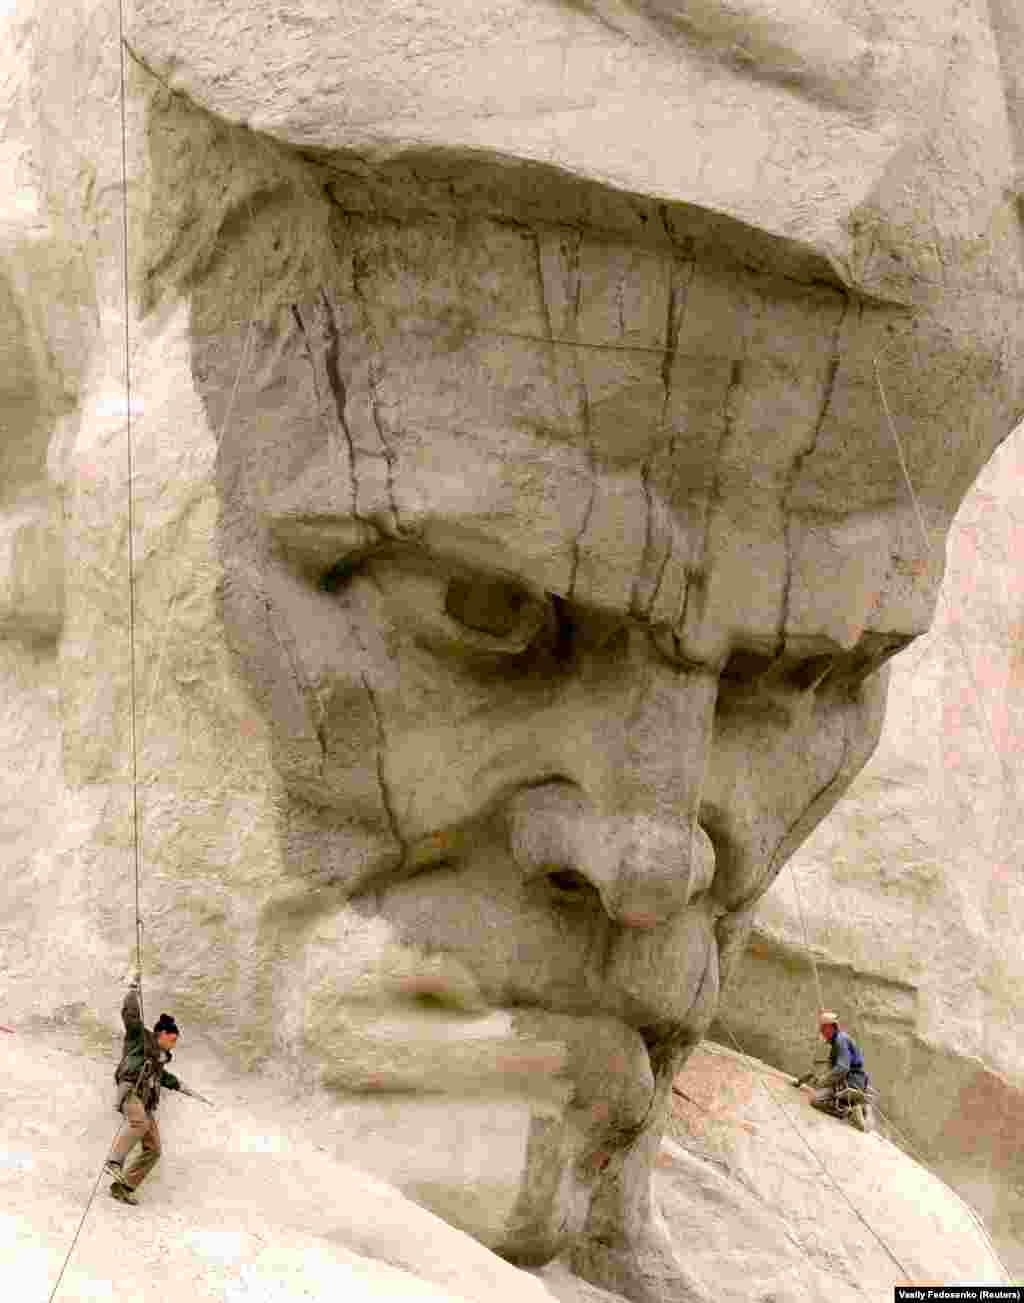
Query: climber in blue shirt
{"x":845,"y":1069}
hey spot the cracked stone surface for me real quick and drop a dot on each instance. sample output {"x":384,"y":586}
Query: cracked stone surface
{"x":523,"y":399}
{"x":910,"y":891}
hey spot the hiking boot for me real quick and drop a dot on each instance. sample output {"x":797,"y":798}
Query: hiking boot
{"x":123,"y":1192}
{"x":114,"y":1167}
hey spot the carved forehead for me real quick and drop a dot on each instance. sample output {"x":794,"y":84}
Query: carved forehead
{"x":465,"y":342}
{"x":638,"y":429}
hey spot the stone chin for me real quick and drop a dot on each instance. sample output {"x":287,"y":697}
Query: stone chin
{"x":493,"y":1093}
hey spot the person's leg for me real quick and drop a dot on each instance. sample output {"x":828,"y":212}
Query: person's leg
{"x":136,"y":1123}
{"x":147,"y":1159}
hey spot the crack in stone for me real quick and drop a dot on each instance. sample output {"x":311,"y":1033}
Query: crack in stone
{"x":645,"y":473}
{"x":583,"y":397}
{"x":698,"y":576}
{"x":373,"y":380}
{"x":542,"y":288}
{"x":678,"y":298}
{"x":339,"y":392}
{"x":385,"y":791}
{"x":574,"y":288}
{"x":802,"y":454}
{"x":691,"y":579}
{"x":297,"y":318}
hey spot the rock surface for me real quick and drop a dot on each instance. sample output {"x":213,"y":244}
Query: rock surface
{"x":911,"y":890}
{"x":245,"y":1203}
{"x":764,"y":1152}
{"x":448,"y":562}
{"x":253,"y":1201}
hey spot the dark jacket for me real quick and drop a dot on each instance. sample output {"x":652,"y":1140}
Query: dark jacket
{"x":845,"y":1061}
{"x":143,"y":1056}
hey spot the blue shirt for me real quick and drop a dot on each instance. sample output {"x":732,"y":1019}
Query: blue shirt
{"x":844,"y":1056}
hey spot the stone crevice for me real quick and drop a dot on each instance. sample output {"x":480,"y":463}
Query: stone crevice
{"x":301,"y":325}
{"x":569,"y":334}
{"x":699,"y":575}
{"x":339,"y":392}
{"x":387,"y":799}
{"x":575,"y":295}
{"x":678,"y":297}
{"x":801,"y":456}
{"x":373,"y":382}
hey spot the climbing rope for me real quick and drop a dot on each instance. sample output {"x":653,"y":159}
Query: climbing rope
{"x":810,"y":1149}
{"x":132,"y":712}
{"x":1010,"y":783}
{"x":132,"y":657}
{"x":133,"y":741}
{"x":85,"y":1214}
{"x":1009,"y":778}
{"x":807,"y":941}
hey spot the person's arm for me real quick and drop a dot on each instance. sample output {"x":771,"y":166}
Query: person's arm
{"x":131,"y":1009}
{"x":843,"y":1061}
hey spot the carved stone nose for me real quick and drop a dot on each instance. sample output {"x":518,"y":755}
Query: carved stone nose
{"x":645,"y":869}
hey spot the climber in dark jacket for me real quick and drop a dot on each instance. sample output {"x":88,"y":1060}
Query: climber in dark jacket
{"x":139,"y":1077}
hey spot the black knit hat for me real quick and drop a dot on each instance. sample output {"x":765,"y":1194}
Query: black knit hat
{"x":165,"y":1023}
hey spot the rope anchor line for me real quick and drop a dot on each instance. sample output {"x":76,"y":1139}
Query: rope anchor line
{"x":132,"y":712}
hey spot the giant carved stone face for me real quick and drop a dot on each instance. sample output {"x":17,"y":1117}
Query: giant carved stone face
{"x":565,"y":529}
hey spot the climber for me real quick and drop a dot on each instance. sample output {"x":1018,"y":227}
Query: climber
{"x":845,"y":1073}
{"x":139,"y":1077}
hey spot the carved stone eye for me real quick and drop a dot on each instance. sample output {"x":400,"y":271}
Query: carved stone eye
{"x":747,"y":668}
{"x":495,"y":607}
{"x":335,"y":579}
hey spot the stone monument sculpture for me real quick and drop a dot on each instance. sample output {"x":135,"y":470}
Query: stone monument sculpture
{"x":591,"y":385}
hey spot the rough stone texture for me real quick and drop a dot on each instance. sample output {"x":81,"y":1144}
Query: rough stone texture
{"x":259,"y":1200}
{"x":755,"y":1144}
{"x":518,"y":534}
{"x":254,"y":1204}
{"x":911,"y":889}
